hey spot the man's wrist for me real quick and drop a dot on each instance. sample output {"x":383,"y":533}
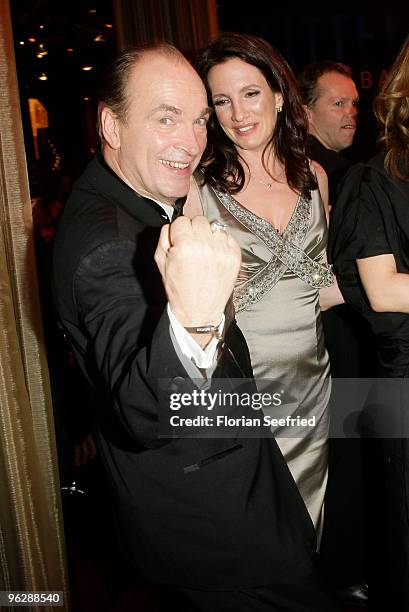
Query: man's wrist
{"x":203,"y":338}
{"x":215,"y":331}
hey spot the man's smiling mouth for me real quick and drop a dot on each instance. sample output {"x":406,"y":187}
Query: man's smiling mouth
{"x":174,"y":164}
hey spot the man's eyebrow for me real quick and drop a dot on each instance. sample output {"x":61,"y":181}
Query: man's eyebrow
{"x":167,"y":108}
{"x":346,"y":98}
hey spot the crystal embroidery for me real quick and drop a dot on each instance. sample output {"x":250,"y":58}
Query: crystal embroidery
{"x":286,"y":250}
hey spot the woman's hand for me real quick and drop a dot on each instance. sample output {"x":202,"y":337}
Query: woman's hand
{"x":331,"y":296}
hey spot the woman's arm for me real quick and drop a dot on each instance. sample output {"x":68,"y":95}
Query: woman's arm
{"x":329,"y":296}
{"x":387,"y":289}
{"x":322,"y":179}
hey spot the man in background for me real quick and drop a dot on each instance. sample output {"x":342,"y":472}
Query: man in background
{"x":331,"y":102}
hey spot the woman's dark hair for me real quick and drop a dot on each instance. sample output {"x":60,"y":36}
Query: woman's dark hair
{"x":221,"y":162}
{"x":391,"y":107}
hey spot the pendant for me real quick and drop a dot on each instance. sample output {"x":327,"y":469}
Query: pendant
{"x":268,"y":185}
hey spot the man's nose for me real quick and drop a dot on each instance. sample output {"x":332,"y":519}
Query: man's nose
{"x":191,"y":141}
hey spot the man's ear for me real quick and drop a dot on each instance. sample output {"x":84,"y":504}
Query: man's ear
{"x":109,"y":127}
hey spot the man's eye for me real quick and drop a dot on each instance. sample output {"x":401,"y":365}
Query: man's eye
{"x":339,"y":103}
{"x":202,"y":121}
{"x":165,"y":120}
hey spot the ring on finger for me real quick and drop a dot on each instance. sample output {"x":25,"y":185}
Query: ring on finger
{"x":216,"y":226}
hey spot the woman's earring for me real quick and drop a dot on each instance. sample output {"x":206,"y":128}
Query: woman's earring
{"x":279,"y":109}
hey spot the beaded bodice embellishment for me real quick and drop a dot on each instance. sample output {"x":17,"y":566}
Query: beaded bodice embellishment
{"x":286,"y":249}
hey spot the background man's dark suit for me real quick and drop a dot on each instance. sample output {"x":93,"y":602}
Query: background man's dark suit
{"x":233,"y":521}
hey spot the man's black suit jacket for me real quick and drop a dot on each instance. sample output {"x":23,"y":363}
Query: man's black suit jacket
{"x":335,"y":164}
{"x":237,"y":520}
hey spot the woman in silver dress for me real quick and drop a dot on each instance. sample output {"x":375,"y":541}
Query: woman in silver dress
{"x":256,"y":179}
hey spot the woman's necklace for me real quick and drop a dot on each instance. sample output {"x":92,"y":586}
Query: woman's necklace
{"x":265,"y":183}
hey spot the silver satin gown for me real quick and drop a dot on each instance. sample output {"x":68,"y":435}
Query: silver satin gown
{"x":277,"y":308}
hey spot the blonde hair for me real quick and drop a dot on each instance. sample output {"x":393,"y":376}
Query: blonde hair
{"x":391,"y":107}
